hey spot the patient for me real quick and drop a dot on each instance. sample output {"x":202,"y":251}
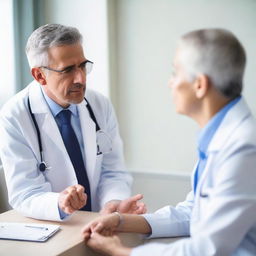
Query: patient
{"x":219,"y":213}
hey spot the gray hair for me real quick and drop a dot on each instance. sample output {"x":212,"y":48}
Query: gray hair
{"x":48,"y":36}
{"x":218,"y":54}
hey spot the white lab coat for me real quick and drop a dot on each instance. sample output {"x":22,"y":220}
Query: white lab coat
{"x":221,"y":217}
{"x":35,"y":194}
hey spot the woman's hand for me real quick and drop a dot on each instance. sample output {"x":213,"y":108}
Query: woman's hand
{"x":110,"y":245}
{"x":104,"y":225}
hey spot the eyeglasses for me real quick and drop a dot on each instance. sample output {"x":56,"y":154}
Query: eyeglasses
{"x":84,"y":66}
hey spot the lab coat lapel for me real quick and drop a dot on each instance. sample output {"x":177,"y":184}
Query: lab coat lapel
{"x":89,"y":139}
{"x":230,"y":122}
{"x":44,"y":118}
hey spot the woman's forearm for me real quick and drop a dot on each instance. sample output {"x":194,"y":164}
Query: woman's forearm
{"x":122,"y":251}
{"x":134,"y":223}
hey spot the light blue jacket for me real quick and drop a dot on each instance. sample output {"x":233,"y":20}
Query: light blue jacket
{"x":221,"y":217}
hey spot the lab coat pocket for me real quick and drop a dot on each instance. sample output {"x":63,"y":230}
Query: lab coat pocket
{"x":98,"y":164}
{"x":97,"y":171}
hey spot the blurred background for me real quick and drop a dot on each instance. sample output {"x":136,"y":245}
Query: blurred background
{"x":132,"y":43}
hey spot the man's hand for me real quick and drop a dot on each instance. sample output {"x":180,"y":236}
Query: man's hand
{"x":72,"y":198}
{"x":130,"y":205}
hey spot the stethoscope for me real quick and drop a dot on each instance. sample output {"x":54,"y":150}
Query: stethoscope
{"x":103,"y":140}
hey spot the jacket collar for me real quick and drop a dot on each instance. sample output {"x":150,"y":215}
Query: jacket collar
{"x":230,"y":122}
{"x":36,"y":98}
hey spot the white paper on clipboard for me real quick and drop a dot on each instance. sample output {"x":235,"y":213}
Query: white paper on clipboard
{"x":27,"y":231}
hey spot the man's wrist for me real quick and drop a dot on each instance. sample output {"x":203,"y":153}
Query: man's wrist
{"x":110,"y":206}
{"x":62,"y":214}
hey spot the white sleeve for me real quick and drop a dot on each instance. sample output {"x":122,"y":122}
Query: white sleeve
{"x":171,"y":221}
{"x":28,"y":190}
{"x":229,"y":218}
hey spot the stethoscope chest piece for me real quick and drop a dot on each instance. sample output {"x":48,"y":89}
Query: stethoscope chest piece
{"x":42,"y":167}
{"x":104,"y":142}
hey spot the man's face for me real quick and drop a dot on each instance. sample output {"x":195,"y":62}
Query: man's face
{"x":67,"y":87}
{"x":183,"y":92}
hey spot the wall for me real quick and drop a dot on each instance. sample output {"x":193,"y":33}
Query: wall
{"x":155,"y":137}
{"x":7,"y":78}
{"x":160,"y":188}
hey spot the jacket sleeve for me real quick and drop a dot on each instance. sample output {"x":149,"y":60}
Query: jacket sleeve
{"x":171,"y":221}
{"x":229,"y":217}
{"x":28,"y":190}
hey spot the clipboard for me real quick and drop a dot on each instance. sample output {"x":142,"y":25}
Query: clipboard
{"x":27,"y":231}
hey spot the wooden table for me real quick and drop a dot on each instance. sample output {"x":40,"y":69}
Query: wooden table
{"x":66,"y":242}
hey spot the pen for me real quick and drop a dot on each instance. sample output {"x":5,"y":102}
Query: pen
{"x":27,"y":226}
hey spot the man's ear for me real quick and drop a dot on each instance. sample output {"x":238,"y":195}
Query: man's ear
{"x":38,"y":75}
{"x":201,"y":85}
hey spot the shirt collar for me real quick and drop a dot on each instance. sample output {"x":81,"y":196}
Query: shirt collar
{"x":56,"y":108}
{"x":206,"y":134}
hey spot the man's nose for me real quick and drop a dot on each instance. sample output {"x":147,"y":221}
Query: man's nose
{"x":80,"y":76}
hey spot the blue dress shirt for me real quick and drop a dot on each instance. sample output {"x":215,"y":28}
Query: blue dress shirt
{"x":75,"y":122}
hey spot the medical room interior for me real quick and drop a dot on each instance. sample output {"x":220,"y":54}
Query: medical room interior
{"x":132,"y":43}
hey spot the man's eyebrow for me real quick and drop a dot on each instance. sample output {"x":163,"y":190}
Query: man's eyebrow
{"x":66,"y":68}
{"x":71,"y":66}
{"x":82,"y":63}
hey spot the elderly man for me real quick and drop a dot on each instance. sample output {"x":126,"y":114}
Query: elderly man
{"x":60,"y":144}
{"x":219,"y":212}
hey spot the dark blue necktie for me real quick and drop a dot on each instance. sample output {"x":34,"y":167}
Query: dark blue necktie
{"x":75,"y":154}
{"x":200,"y":168}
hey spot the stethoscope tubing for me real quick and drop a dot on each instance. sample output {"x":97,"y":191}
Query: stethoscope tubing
{"x":42,"y":166}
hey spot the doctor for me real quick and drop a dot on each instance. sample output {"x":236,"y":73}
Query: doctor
{"x":60,"y":145}
{"x":219,"y":213}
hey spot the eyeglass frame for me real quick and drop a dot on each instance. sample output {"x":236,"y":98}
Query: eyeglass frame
{"x":70,"y":68}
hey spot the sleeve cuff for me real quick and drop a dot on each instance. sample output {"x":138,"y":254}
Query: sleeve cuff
{"x":63,"y":215}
